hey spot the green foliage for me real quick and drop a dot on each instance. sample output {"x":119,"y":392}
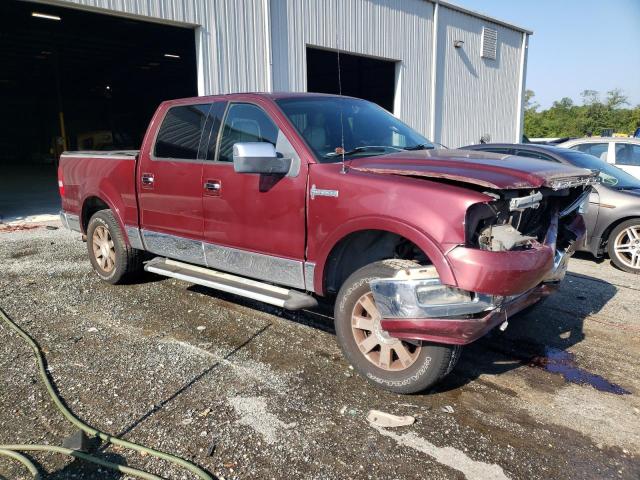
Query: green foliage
{"x":566,"y":119}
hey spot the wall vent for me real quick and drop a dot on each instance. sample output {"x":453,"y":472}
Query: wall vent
{"x":489,"y":43}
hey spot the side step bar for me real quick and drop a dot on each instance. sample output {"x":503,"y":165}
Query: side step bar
{"x":263,"y":292}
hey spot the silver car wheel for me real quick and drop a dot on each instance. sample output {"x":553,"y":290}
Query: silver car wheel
{"x":627,"y":246}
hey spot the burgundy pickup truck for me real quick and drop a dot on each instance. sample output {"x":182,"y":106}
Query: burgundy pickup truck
{"x":285,"y":198}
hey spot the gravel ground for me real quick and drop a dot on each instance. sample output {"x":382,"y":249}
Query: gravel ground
{"x":250,"y":391}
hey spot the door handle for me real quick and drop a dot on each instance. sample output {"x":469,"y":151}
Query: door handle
{"x":147,"y":180}
{"x":213,"y":187}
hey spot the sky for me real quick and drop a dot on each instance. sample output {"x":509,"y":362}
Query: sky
{"x":576,"y":44}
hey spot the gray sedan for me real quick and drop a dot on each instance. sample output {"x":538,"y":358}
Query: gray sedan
{"x":613,"y":213}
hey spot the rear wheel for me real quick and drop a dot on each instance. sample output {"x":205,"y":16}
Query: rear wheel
{"x":624,"y":246}
{"x":402,"y":366}
{"x":113,"y":260}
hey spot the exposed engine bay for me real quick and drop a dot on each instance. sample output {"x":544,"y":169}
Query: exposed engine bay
{"x":521,"y":219}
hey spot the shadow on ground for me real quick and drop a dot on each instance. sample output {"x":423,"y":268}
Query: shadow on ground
{"x":539,"y":336}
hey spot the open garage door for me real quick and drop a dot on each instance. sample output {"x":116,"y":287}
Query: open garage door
{"x":72,"y":79}
{"x":363,"y":77}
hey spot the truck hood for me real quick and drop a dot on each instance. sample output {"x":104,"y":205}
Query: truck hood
{"x":490,"y":170}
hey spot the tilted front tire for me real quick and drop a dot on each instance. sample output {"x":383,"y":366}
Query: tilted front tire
{"x":389,"y":363}
{"x":112,"y":259}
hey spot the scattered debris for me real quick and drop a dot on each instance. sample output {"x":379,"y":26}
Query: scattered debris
{"x":78,"y":441}
{"x":212,"y":448}
{"x":349,"y":411}
{"x":16,"y":228}
{"x":92,"y":329}
{"x":200,"y":328}
{"x":387,"y":420}
{"x":447,"y":409}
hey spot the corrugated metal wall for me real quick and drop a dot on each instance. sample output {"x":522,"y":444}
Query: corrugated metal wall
{"x":476,"y":96}
{"x":232,"y":39}
{"x":260,"y":45}
{"x":389,"y":29}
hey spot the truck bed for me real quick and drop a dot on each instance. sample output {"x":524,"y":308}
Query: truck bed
{"x":108,"y":175}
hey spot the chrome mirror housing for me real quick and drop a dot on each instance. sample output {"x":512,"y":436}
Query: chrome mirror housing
{"x":259,"y":157}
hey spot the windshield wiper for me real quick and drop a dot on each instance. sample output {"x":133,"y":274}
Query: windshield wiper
{"x":361,"y":149}
{"x":421,"y":146}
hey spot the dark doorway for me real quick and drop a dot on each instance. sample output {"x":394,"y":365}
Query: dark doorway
{"x":362,"y":77}
{"x":99,"y":77}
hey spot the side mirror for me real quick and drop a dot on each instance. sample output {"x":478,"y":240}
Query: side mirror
{"x":258,"y":157}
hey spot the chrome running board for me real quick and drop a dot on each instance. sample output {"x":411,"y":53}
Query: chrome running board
{"x":244,"y":287}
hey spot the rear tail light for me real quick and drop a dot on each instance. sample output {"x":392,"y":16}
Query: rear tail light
{"x":60,"y":182}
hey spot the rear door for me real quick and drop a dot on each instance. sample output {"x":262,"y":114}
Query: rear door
{"x":627,"y":157}
{"x":170,"y":184}
{"x":254,"y":225}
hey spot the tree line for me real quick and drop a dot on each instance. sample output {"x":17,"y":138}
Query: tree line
{"x":566,"y":119}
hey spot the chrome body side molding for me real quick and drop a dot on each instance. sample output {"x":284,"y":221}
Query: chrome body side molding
{"x":309,"y":271}
{"x":70,"y":221}
{"x":135,"y":239}
{"x":282,"y":271}
{"x":105,"y":155}
{"x":175,"y":247}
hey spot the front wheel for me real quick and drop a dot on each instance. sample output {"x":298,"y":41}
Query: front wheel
{"x":624,"y":246}
{"x":401,"y":366}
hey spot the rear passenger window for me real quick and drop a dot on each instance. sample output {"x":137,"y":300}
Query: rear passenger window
{"x":245,"y":123}
{"x":180,"y":132}
{"x":503,"y":151}
{"x":627,"y":154}
{"x":596,"y":149}
{"x":539,"y":156}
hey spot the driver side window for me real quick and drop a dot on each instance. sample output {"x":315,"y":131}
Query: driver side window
{"x":245,"y":122}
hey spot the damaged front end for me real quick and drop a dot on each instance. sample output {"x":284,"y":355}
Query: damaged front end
{"x":516,"y":252}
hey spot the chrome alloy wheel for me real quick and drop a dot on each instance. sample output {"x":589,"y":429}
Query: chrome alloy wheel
{"x":103,"y":249}
{"x":627,"y":246}
{"x":376,"y":344}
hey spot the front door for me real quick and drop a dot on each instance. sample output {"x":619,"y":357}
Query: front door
{"x":254,"y":225}
{"x":170,"y":184}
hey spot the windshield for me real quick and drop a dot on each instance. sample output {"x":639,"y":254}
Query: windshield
{"x":609,"y":175}
{"x":367,"y":129}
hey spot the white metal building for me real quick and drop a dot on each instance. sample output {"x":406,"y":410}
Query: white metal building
{"x":452,"y":83}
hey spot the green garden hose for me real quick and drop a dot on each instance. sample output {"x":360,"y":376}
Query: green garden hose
{"x":11,"y":450}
